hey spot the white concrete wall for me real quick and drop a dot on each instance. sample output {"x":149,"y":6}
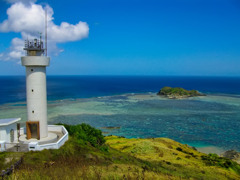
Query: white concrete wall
{"x":8,"y":129}
{"x":36,"y":90}
{"x":37,"y":97}
{"x":56,"y":145}
{"x":5,"y":133}
{"x":35,"y":61}
{"x":22,"y":130}
{"x":2,"y":133}
{"x":2,"y":146}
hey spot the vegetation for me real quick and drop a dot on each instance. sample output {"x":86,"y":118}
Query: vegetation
{"x":215,"y":160}
{"x":178,"y":92}
{"x":7,"y":159}
{"x":112,"y":157}
{"x":84,"y":133}
{"x":175,"y":159}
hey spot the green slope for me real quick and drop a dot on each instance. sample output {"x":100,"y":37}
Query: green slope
{"x":89,"y":155}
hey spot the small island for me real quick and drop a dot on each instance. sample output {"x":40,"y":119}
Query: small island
{"x":178,"y":93}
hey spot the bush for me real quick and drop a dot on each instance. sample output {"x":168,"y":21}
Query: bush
{"x":179,"y":149}
{"x":2,"y":160}
{"x":215,"y":160}
{"x":84,"y":133}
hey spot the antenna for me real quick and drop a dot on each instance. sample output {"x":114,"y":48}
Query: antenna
{"x":40,"y":34}
{"x":46,"y":31}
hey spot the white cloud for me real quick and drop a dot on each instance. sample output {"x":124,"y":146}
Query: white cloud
{"x":23,"y":18}
{"x":29,"y":19}
{"x":16,"y":50}
{"x":23,"y":1}
{"x":68,"y":32}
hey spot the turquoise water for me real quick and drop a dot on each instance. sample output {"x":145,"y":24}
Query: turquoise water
{"x":212,"y":120}
{"x":106,"y":101}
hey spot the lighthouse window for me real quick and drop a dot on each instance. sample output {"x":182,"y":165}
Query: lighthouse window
{"x":32,"y":111}
{"x":31,"y":69}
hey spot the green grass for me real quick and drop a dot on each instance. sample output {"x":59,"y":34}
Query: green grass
{"x":8,"y":158}
{"x":215,"y":160}
{"x":112,"y":157}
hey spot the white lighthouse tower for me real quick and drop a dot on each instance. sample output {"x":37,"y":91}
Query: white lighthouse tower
{"x":36,"y":63}
{"x":39,"y":135}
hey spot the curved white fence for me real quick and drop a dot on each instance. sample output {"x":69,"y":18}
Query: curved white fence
{"x":57,"y":128}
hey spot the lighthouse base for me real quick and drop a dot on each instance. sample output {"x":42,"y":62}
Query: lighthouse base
{"x":57,"y":136}
{"x":51,"y":138}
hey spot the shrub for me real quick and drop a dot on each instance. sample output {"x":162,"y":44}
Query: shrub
{"x":2,"y":160}
{"x":215,"y":160}
{"x":179,"y":149}
{"x":84,"y":133}
{"x":178,"y":158}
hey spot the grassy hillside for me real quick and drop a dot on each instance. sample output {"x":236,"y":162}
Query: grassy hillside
{"x":89,"y":155}
{"x":171,"y":157}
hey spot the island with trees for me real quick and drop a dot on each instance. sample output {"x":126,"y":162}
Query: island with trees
{"x":178,"y":93}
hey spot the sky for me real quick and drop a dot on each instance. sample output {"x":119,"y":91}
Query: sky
{"x":125,"y":37}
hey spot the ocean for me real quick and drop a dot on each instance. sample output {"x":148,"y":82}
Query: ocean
{"x":131,"y":106}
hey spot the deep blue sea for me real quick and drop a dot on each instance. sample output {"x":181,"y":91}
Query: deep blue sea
{"x":13,"y":88}
{"x":131,"y":104}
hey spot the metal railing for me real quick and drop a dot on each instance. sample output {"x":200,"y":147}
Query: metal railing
{"x":10,"y":170}
{"x":33,"y":44}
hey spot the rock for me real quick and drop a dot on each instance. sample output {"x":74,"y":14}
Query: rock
{"x":192,"y":147}
{"x":231,"y":154}
{"x":111,"y":127}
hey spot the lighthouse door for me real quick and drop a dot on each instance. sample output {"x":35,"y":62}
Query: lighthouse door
{"x":33,"y":130}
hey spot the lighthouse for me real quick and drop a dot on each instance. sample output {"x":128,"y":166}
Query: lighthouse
{"x":38,"y":134}
{"x":36,"y":62}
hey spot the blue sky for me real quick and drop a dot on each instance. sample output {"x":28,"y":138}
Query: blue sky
{"x":137,"y":37}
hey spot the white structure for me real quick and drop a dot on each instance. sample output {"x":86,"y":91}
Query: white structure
{"x":37,"y":135}
{"x":38,"y":146}
{"x":36,"y":64}
{"x":8,"y":130}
